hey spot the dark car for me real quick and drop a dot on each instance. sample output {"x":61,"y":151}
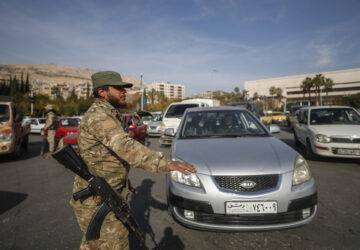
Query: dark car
{"x":131,"y":123}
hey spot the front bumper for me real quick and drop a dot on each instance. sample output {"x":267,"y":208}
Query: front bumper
{"x":338,"y":150}
{"x":295,"y":208}
{"x":6,"y":147}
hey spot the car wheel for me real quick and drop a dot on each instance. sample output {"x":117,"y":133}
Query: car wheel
{"x":309,"y":153}
{"x":297,"y":142}
{"x":25,"y":142}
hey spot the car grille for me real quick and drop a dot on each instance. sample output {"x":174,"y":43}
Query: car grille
{"x":152,"y":127}
{"x":251,"y":220}
{"x":345,"y":140}
{"x":234,"y":183}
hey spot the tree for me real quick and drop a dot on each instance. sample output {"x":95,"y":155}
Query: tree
{"x":27,"y":83}
{"x":255,"y":96}
{"x":279,"y":95}
{"x":272,"y":92}
{"x":328,"y":85}
{"x":318,"y":82}
{"x":308,"y":84}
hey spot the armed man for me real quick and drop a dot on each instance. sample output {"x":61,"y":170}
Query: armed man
{"x":51,"y":125}
{"x":108,"y":152}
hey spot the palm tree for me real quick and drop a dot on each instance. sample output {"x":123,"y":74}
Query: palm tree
{"x":319,"y":81}
{"x":303,"y":87}
{"x":308,"y":84}
{"x":255,"y":96}
{"x":279,"y":95}
{"x":328,"y":85}
{"x":272,"y":92}
{"x":244,"y":94}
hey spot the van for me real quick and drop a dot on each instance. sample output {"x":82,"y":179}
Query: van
{"x":175,"y":111}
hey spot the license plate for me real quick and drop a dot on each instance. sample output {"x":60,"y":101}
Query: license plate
{"x":250,"y":207}
{"x":348,"y":151}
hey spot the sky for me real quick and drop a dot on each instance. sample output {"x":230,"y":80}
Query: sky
{"x":202,"y":44}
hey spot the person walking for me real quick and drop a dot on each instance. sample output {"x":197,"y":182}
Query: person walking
{"x":109,"y":152}
{"x":51,"y":125}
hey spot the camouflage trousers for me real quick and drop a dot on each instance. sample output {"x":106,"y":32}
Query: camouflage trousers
{"x":51,"y":140}
{"x":113,"y":234}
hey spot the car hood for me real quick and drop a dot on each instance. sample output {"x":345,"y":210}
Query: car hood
{"x":334,"y":130}
{"x":154,"y":123}
{"x":236,"y":156}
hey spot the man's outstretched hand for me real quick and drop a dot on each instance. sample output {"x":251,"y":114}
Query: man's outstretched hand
{"x":183,"y":167}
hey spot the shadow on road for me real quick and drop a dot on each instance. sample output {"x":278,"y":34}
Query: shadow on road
{"x":32,"y":151}
{"x":9,"y":200}
{"x":142,"y":205}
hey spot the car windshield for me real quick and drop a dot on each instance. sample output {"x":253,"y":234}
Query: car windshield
{"x":157,"y":118}
{"x":334,"y":116}
{"x":223,"y":123}
{"x":42,"y":121}
{"x":177,"y":110}
{"x":4,"y":113}
{"x":69,"y":122}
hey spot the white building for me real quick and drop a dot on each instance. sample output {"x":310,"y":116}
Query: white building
{"x":346,"y":82}
{"x":170,"y":90}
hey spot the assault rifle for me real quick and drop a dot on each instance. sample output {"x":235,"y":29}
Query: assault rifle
{"x":110,"y":201}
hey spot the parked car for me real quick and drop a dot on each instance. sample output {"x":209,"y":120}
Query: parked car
{"x":329,"y":131}
{"x":145,"y":116}
{"x":278,"y":117}
{"x":130,"y":123}
{"x":154,"y":126}
{"x":67,"y":126}
{"x":36,"y":125}
{"x":246,"y":179}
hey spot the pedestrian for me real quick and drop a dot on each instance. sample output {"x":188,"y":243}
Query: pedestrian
{"x":109,"y":152}
{"x":51,"y":125}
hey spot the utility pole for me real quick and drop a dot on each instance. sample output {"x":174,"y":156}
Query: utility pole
{"x":32,"y":103}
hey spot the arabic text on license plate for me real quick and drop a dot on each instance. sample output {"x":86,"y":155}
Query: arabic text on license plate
{"x":250,"y":207}
{"x":347,"y":151}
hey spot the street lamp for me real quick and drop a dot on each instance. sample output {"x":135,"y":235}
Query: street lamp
{"x":142,"y":92}
{"x":213,"y":71}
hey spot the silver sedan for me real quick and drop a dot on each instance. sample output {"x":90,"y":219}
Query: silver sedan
{"x":246,"y":179}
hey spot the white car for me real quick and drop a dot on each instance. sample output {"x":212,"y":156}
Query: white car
{"x":329,"y":131}
{"x":36,"y":125}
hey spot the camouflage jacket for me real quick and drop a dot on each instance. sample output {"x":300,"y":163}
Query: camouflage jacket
{"x":51,"y":121}
{"x":109,"y":151}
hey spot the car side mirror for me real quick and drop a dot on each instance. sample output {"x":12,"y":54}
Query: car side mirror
{"x":133,"y":126}
{"x":169,"y":132}
{"x":274,"y":129}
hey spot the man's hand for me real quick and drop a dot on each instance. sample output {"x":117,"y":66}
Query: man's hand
{"x":183,"y":167}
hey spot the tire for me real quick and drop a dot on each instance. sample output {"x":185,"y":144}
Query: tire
{"x":310,"y":155}
{"x":25,"y":142}
{"x":297,"y":142}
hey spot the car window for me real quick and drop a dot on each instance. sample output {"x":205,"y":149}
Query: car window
{"x":334,"y":116}
{"x":42,"y":121}
{"x":222,"y":123}
{"x":303,"y":117}
{"x":4,"y":113}
{"x":34,"y":122}
{"x":177,"y":110}
{"x":69,"y":122}
{"x":137,"y":120}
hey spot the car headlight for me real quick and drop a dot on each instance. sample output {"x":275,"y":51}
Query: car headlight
{"x":190,"y":179}
{"x":322,"y":138}
{"x":301,"y":171}
{"x":6,"y":137}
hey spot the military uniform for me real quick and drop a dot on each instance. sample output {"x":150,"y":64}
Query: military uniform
{"x":51,"y":125}
{"x":108,"y":152}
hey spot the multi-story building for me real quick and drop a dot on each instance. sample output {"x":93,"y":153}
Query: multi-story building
{"x":346,"y":82}
{"x":170,"y":90}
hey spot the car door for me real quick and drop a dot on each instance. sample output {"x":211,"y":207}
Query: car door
{"x":302,"y":126}
{"x":140,"y":130}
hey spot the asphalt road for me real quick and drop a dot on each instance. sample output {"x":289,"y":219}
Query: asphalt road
{"x":35,"y":211}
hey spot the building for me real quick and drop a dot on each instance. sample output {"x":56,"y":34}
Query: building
{"x":170,"y":90}
{"x":346,"y":82}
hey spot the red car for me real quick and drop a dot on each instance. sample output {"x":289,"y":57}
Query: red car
{"x":67,"y":126}
{"x":131,"y":123}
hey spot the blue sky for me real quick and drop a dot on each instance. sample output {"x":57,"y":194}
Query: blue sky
{"x":184,"y":41}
